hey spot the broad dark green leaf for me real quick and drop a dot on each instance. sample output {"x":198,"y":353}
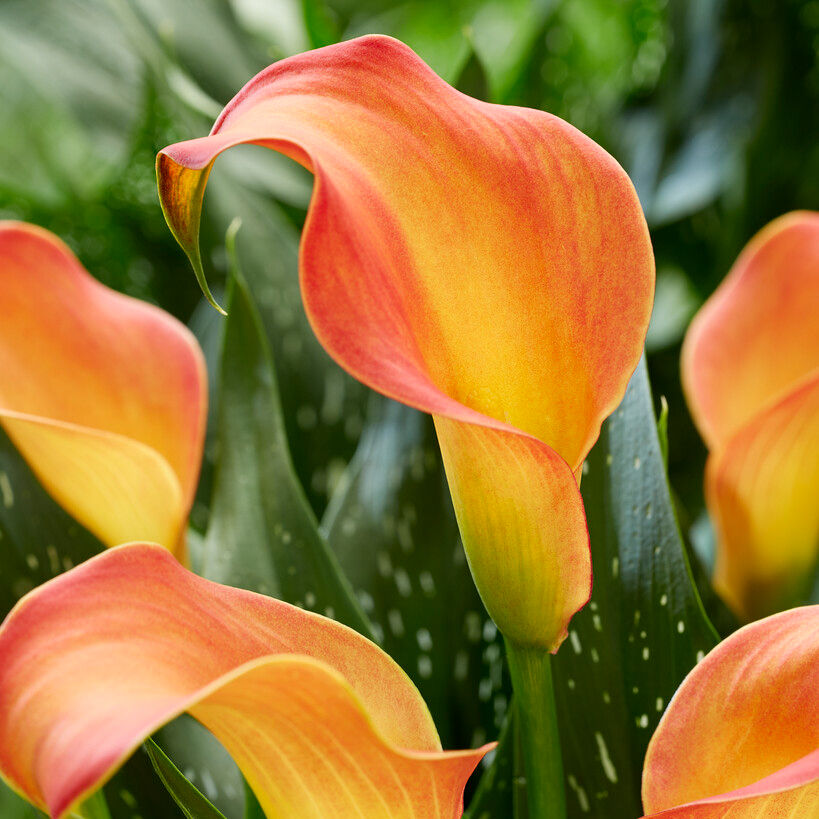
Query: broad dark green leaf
{"x":193,"y":803}
{"x":392,"y":526}
{"x":323,"y":407}
{"x":14,"y":807}
{"x":38,"y":540}
{"x":95,"y":807}
{"x":204,"y":762}
{"x":262,"y":534}
{"x":645,"y":626}
{"x":253,"y":810}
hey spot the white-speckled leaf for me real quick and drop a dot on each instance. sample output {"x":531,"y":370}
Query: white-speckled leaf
{"x":644,"y":627}
{"x":392,"y":527}
{"x":263,"y":535}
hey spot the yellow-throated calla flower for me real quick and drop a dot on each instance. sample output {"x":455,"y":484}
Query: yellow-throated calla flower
{"x":321,"y":722}
{"x":104,"y":396}
{"x":487,"y":264}
{"x":740,"y":738}
{"x":750,"y":368}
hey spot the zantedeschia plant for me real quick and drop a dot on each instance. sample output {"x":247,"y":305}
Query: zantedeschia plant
{"x":750,"y":369}
{"x":105,"y":396}
{"x":488,"y":264}
{"x":740,"y":739}
{"x":491,"y":266}
{"x":321,"y":722}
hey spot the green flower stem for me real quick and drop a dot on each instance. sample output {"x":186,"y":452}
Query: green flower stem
{"x":531,"y":673}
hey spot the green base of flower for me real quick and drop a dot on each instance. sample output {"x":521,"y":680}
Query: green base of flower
{"x":531,"y":673}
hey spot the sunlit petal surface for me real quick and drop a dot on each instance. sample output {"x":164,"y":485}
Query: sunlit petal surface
{"x":757,"y":335}
{"x":105,"y":396}
{"x":741,"y":736}
{"x":319,"y":719}
{"x":487,"y":264}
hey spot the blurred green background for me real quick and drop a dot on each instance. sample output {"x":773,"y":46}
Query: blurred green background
{"x":712,"y":106}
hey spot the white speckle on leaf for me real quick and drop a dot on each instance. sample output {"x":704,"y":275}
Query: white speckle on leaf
{"x":396,"y":622}
{"x":425,"y":666}
{"x":427,"y":582}
{"x":605,"y":760}
{"x":402,"y":581}
{"x":582,"y":799}
{"x":6,"y":490}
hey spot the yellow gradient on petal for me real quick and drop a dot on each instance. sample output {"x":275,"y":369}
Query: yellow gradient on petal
{"x":116,"y":487}
{"x":746,"y":712}
{"x":763,"y":491}
{"x":76,"y":353}
{"x":487,"y":264}
{"x":796,"y":803}
{"x":523,"y":529}
{"x":307,"y":747}
{"x":757,"y":336}
{"x":102,"y":656}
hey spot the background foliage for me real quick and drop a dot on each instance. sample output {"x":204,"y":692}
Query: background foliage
{"x":712,"y":106}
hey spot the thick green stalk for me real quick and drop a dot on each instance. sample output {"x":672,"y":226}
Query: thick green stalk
{"x":531,"y":673}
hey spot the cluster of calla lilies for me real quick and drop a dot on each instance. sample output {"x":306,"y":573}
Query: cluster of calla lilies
{"x":491,"y":266}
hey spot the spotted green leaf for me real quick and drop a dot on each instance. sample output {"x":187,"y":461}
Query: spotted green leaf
{"x":38,"y":540}
{"x":262,"y":534}
{"x":392,"y":526}
{"x":644,"y":627}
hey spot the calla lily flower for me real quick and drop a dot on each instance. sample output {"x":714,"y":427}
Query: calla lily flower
{"x":750,"y":367}
{"x":321,"y":722}
{"x":103,"y":395}
{"x":740,"y":738}
{"x":486,"y":264}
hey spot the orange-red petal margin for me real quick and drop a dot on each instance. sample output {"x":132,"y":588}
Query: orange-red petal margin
{"x":750,"y":368}
{"x":487,"y":264}
{"x":104,"y":395}
{"x":740,"y":738}
{"x":321,"y":722}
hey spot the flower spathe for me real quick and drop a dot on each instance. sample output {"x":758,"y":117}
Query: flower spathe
{"x":321,"y":722}
{"x":750,"y":369}
{"x":740,"y":738}
{"x":487,"y":264}
{"x":105,"y":396}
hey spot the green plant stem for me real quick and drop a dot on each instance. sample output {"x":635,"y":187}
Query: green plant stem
{"x":531,"y":673}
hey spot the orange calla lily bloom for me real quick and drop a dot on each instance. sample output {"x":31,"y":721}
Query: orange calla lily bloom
{"x":750,"y":368}
{"x":487,"y":264}
{"x":321,"y":722}
{"x":103,"y":395}
{"x":740,"y":738}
